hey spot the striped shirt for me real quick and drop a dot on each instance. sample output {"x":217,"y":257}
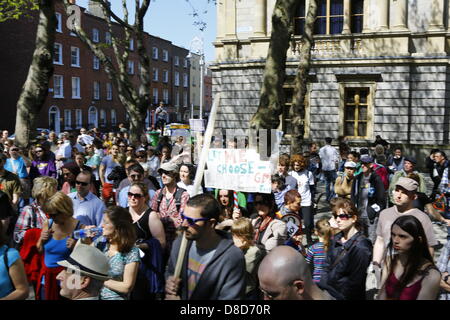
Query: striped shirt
{"x":316,"y":256}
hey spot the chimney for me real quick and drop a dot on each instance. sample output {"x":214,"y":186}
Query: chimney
{"x":95,"y":8}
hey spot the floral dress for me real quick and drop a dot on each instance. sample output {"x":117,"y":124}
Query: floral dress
{"x":117,"y":265}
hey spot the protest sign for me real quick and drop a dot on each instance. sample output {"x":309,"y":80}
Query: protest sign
{"x":237,"y":169}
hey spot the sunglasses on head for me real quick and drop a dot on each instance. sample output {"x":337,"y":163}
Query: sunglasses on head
{"x":342,"y":216}
{"x":192,"y":221}
{"x":136,"y":195}
{"x":84,"y":184}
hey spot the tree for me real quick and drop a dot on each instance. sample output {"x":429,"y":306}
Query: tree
{"x":35,"y":88}
{"x":136,"y":100}
{"x":297,"y":111}
{"x":272,"y":95}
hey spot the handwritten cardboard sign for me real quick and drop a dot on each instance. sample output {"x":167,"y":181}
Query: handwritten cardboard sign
{"x":237,"y":169}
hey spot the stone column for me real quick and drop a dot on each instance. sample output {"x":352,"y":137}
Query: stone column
{"x":437,"y":15}
{"x":366,"y":17}
{"x":347,"y":9}
{"x":221,"y":19}
{"x":383,"y":11}
{"x":269,"y":11}
{"x":259,"y":22}
{"x":230,"y":22}
{"x":399,"y":15}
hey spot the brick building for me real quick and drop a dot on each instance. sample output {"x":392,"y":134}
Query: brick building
{"x":80,"y":92}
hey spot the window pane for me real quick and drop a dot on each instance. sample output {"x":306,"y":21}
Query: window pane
{"x":301,"y":9}
{"x":349,"y":129}
{"x":299,"y":26}
{"x":357,"y":24}
{"x":362,"y":129}
{"x":362,"y":113}
{"x":350,"y":96}
{"x":337,"y":24}
{"x":320,"y":26}
{"x":322,"y":8}
{"x":363,"y":96}
{"x":289,"y":92}
{"x":357,"y":6}
{"x":350,"y":113}
{"x":337,"y":7}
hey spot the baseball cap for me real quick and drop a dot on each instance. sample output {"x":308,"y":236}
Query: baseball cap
{"x":168,"y":167}
{"x":407,"y":184}
{"x":366,"y":159}
{"x":349,"y":164}
{"x":411,"y":159}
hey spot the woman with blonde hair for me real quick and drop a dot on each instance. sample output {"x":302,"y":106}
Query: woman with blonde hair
{"x":56,"y":243}
{"x":317,"y":253}
{"x":242,"y":233}
{"x":32,"y":216}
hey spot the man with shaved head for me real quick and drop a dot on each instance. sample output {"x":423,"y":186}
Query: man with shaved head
{"x":285,"y":275}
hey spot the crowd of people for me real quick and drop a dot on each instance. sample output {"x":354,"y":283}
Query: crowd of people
{"x":87,"y":215}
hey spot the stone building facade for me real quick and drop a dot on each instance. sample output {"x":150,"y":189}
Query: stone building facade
{"x":379,"y":67}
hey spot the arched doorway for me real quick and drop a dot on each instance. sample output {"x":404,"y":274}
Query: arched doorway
{"x":93,"y":117}
{"x":53,"y":119}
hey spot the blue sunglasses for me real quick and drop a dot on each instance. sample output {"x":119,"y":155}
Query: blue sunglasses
{"x":192,"y":221}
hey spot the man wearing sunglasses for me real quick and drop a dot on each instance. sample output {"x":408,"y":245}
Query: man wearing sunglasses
{"x":87,"y":207}
{"x":213,"y":268}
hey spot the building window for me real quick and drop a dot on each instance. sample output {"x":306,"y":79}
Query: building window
{"x":155,"y":95}
{"x":155,"y":74}
{"x":75,"y":57}
{"x":131,"y":44}
{"x":177,"y":78}
{"x":176,"y":60}
{"x":185,"y":99}
{"x":130,"y":68}
{"x":58,"y":22}
{"x":76,"y":88}
{"x":357,"y":16}
{"x":78,"y":118}
{"x":329,"y":20}
{"x":185,"y":63}
{"x":165,"y":76}
{"x":166,"y":96}
{"x":108,"y":91}
{"x":113,"y":117}
{"x":177,"y":98}
{"x":58,"y":86}
{"x":96,"y":90}
{"x":67,"y":119}
{"x":57,"y":57}
{"x":95,"y":35}
{"x":165,"y":55}
{"x":108,"y":38}
{"x":96,"y":63}
{"x":92,"y":118}
{"x":185,"y":80}
{"x":356,"y":111}
{"x":102,"y":118}
{"x":155,"y":53}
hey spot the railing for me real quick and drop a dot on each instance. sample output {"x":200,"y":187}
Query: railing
{"x":333,"y":47}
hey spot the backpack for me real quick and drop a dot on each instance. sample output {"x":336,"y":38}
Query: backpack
{"x":383,"y":174}
{"x":178,"y":194}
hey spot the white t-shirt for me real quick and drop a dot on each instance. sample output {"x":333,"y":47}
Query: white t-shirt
{"x":329,"y":157}
{"x":304,"y":179}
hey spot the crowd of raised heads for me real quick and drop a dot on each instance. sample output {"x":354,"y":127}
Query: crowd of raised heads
{"x":88,"y":215}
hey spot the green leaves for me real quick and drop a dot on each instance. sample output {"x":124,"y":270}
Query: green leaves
{"x":14,"y":9}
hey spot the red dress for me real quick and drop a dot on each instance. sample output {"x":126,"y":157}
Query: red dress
{"x":409,"y":292}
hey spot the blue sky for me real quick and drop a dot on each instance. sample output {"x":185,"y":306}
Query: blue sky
{"x":172,"y":20}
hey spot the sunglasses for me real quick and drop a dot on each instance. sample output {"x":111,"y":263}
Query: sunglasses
{"x":192,"y":221}
{"x":123,"y":146}
{"x":84,"y":184}
{"x":141,"y":157}
{"x":342,"y":216}
{"x":136,"y":195}
{"x":135,"y":176}
{"x":14,"y":149}
{"x":38,"y":150}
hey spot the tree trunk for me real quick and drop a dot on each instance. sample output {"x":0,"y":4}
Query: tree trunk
{"x":297,"y":112}
{"x":35,"y":88}
{"x":272,"y":96}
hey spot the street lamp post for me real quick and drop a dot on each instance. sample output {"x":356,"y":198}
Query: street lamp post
{"x":202,"y":63}
{"x":196,"y":47}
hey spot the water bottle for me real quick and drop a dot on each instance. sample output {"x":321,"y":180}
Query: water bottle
{"x":84,"y":233}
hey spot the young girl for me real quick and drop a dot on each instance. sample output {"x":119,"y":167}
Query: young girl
{"x":409,"y":272}
{"x":317,"y":253}
{"x":242,"y":232}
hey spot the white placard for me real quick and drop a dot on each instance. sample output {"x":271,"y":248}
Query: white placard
{"x":238,"y":170}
